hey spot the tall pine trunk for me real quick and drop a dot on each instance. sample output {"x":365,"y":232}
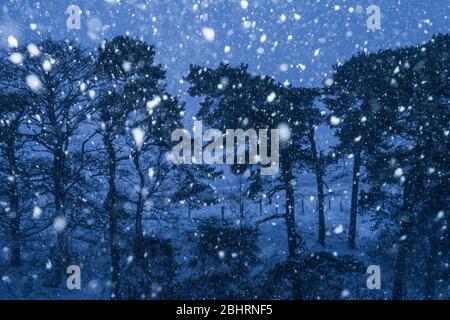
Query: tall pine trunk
{"x":14,"y":205}
{"x":432,"y":264}
{"x":290,"y":213}
{"x":354,"y":201}
{"x":399,"y":286}
{"x":319,"y":180}
{"x":111,"y":208}
{"x":138,"y":241}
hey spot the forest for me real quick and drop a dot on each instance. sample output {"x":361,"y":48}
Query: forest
{"x":86,"y":178}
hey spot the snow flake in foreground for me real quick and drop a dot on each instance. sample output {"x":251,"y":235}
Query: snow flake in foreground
{"x":33,"y":82}
{"x":37,"y":212}
{"x":328,"y":82}
{"x":93,"y":284}
{"x":271,"y":97}
{"x":339,"y":229}
{"x":439,"y":215}
{"x":226,"y":49}
{"x":221,"y":254}
{"x":285,"y":132}
{"x":209,"y":34}
{"x":398,"y":172}
{"x":153,"y":103}
{"x":33,"y":50}
{"x":47,"y":66}
{"x":284,"y":67}
{"x":126,"y":66}
{"x":16,"y":58}
{"x":12,"y":42}
{"x":48,"y":265}
{"x":345,"y":293}
{"x":60,"y":223}
{"x":335,"y":120}
{"x":138,"y":136}
{"x":316,"y":52}
{"x":244,"y":4}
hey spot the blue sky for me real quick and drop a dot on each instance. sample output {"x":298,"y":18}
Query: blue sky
{"x":293,"y":40}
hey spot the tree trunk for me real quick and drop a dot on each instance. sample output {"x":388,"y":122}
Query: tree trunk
{"x":290,"y":213}
{"x":319,"y":180}
{"x":432,"y":264}
{"x":354,"y":200}
{"x":241,"y":201}
{"x":110,"y":205}
{"x":62,"y":257}
{"x":138,"y":245}
{"x":399,"y":290}
{"x":399,"y":287}
{"x":14,"y":205}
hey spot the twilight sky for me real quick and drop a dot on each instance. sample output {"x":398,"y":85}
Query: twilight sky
{"x":293,"y":40}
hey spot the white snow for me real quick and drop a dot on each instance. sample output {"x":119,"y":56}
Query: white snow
{"x":37,"y":212}
{"x":335,"y":120}
{"x":91,"y":94}
{"x":126,"y":66}
{"x":138,"y":136}
{"x":33,"y":82}
{"x":60,"y":223}
{"x":328,"y":82}
{"x":152,"y":104}
{"x":12,"y":42}
{"x":271,"y":97}
{"x":33,"y":50}
{"x":285,"y":132}
{"x":46,"y":65}
{"x":316,"y":52}
{"x":16,"y":57}
{"x":284,"y":67}
{"x":398,"y":172}
{"x":339,"y":229}
{"x":209,"y":34}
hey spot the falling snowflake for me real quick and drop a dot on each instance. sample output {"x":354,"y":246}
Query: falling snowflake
{"x":209,"y":34}
{"x":33,"y":82}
